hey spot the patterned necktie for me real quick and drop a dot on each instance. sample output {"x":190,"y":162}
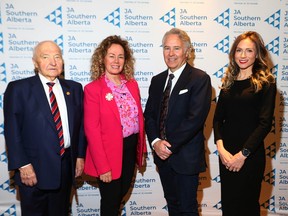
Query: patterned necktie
{"x":164,"y":107}
{"x":56,"y":117}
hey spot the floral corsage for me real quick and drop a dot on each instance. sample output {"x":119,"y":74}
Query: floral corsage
{"x":109,"y":96}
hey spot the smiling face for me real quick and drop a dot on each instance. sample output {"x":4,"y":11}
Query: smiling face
{"x":174,"y":52}
{"x":245,"y":55}
{"x":48,"y":60}
{"x":114,"y":60}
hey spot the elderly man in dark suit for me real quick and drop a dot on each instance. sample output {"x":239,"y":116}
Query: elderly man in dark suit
{"x":43,"y":117}
{"x":176,"y":110}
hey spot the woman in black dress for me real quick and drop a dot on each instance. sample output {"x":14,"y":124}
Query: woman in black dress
{"x":242,"y":119}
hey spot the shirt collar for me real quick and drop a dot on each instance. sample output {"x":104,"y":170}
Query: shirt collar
{"x":44,"y":80}
{"x":178,"y":72}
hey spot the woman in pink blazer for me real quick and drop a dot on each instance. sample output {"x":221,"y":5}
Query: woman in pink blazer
{"x":113,"y":122}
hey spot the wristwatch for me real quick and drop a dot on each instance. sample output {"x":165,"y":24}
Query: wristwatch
{"x":245,"y":152}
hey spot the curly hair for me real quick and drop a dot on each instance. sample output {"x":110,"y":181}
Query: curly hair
{"x":97,"y":61}
{"x":261,"y":74}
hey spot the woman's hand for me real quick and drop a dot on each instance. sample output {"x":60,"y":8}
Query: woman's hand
{"x":225,"y":156}
{"x":106,"y":177}
{"x":236,"y":163}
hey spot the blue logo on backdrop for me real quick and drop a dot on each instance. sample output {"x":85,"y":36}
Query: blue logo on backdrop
{"x":224,"y":18}
{"x":59,"y":41}
{"x":274,"y":71}
{"x":273,"y":46}
{"x":8,"y":186}
{"x":170,"y":18}
{"x":223,"y":45}
{"x":11,"y":211}
{"x":3,"y":74}
{"x":271,"y":151}
{"x":217,"y":179}
{"x":220,"y":73}
{"x":3,"y":157}
{"x":1,"y":43}
{"x":2,"y":125}
{"x":216,"y":152}
{"x":123,"y":213}
{"x":55,"y":16}
{"x":114,"y":18}
{"x":269,"y":204}
{"x":218,"y":205}
{"x":274,"y":19}
{"x":1,"y":106}
{"x":165,"y":208}
{"x":270,"y":177}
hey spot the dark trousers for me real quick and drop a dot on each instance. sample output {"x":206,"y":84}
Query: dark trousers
{"x":112,"y":193}
{"x":180,"y":191}
{"x":36,"y":202}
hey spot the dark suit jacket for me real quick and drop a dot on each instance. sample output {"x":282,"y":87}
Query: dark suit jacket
{"x":30,"y":131}
{"x":189,"y":105}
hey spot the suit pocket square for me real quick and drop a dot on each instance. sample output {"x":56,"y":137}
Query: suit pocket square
{"x":183,"y":91}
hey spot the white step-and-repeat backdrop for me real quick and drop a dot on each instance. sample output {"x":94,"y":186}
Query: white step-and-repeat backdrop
{"x":79,"y":25}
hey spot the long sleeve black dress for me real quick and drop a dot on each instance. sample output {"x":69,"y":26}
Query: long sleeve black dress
{"x":242,"y":119}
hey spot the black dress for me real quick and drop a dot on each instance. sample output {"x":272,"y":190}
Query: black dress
{"x":243,"y":118}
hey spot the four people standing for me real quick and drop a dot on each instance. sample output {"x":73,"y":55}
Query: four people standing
{"x":46,"y":143}
{"x":243,"y":118}
{"x":113,"y":122}
{"x":45,"y":155}
{"x":177,"y":137}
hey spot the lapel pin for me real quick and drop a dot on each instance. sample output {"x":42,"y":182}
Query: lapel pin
{"x":68,"y":93}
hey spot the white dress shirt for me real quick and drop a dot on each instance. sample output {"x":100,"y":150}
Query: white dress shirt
{"x":58,"y":92}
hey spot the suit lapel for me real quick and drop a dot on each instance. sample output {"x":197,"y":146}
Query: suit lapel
{"x":161,"y":85}
{"x":181,"y":83}
{"x":68,"y":95}
{"x":44,"y":106}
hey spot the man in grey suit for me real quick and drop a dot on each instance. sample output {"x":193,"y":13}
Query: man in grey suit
{"x":174,"y":123}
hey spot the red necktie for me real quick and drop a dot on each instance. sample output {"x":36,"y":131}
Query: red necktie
{"x":56,"y":117}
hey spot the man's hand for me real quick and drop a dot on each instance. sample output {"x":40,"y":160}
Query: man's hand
{"x":28,"y":176}
{"x":79,"y":167}
{"x":161,"y":149}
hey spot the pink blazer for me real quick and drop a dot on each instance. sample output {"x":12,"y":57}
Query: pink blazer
{"x":102,"y":127}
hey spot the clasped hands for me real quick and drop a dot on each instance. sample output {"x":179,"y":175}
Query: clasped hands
{"x":161,"y":149}
{"x":232,"y":162}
